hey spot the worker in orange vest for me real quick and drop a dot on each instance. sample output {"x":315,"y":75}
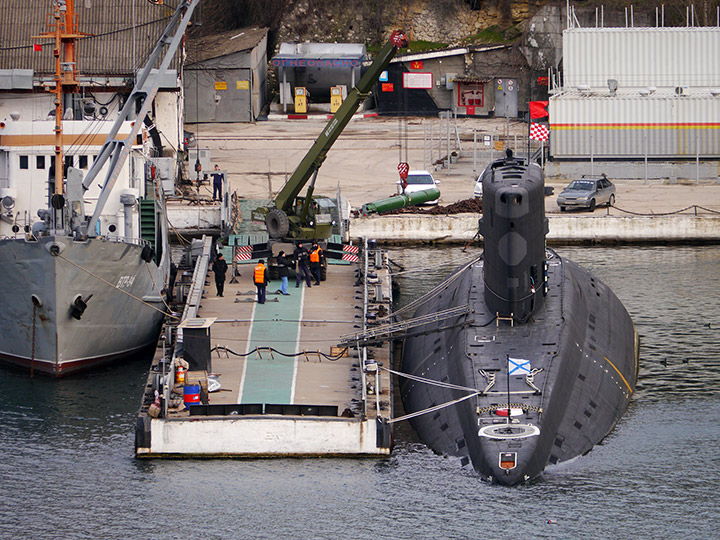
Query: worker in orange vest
{"x":315,"y":258}
{"x":261,"y":279}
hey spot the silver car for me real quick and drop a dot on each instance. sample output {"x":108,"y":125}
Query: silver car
{"x":587,"y":192}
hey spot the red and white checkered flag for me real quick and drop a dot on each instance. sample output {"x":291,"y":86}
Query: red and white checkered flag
{"x":539,"y":132}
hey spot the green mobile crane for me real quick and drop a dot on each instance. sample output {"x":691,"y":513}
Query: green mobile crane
{"x":292,"y":217}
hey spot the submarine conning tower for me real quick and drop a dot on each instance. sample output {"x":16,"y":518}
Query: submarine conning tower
{"x":513,"y":227}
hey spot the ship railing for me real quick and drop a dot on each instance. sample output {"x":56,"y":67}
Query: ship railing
{"x":192,"y":306}
{"x":125,"y":240}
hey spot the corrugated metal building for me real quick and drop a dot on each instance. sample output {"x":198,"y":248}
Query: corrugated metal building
{"x":121,"y":35}
{"x":226,"y":76}
{"x":637,"y":93}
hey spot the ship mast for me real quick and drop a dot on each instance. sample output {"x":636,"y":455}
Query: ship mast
{"x":62,"y":26}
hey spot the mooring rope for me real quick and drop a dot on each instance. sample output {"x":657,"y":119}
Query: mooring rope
{"x":695,"y":206}
{"x":429,"y":381}
{"x":426,"y":296}
{"x":473,"y":392}
{"x":431,"y":409}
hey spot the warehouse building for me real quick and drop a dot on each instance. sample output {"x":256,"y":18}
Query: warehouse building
{"x":226,"y":76}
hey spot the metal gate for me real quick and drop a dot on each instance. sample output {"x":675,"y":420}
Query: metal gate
{"x":506,"y":98}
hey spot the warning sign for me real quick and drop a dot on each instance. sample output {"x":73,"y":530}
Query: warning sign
{"x":220,"y":85}
{"x":243,"y":85}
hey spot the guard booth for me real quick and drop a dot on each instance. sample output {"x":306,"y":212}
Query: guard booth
{"x":301,"y":99}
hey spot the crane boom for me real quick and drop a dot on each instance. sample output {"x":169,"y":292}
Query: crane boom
{"x":289,"y":217}
{"x":115,"y":151}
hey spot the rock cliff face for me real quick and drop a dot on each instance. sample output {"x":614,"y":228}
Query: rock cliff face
{"x":452,"y":22}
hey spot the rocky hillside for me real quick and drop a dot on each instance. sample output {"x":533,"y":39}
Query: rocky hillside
{"x":430,"y":23}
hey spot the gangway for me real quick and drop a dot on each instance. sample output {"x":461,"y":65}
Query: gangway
{"x":389,"y":331}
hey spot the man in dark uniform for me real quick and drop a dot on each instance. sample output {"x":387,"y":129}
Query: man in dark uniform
{"x":219,"y":268}
{"x":303,"y":262}
{"x":218,"y":178}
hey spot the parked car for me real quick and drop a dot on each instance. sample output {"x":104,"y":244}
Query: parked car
{"x":587,"y":192}
{"x":477,"y":192}
{"x":419,"y":181}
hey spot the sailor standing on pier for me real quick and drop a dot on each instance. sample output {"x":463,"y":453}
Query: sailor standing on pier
{"x":219,"y":268}
{"x":218,"y":176}
{"x":303,"y":265}
{"x":260,"y":277}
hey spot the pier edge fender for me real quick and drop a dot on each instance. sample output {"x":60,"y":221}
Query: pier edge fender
{"x":384,"y":433}
{"x":143,"y":437}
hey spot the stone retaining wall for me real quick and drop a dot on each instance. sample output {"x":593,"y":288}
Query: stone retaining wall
{"x":461,"y":228}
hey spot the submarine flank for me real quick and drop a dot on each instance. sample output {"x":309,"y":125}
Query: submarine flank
{"x":543,"y":361}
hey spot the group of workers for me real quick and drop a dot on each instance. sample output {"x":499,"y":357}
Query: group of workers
{"x":309,"y":264}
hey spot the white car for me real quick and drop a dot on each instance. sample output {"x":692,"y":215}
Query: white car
{"x":419,"y":181}
{"x":477,"y":192}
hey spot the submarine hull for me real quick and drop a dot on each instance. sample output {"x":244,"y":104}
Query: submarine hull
{"x":549,"y":390}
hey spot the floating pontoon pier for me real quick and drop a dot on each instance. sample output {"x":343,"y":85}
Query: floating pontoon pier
{"x":287,"y":387}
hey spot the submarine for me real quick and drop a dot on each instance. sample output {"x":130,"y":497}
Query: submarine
{"x":536,"y":361}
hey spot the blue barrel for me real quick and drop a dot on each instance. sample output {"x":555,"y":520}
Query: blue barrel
{"x":191,"y":394}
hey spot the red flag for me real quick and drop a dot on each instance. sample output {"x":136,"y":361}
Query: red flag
{"x":537,"y":109}
{"x":37,"y":47}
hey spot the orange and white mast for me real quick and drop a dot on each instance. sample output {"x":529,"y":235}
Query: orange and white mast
{"x":62,"y":26}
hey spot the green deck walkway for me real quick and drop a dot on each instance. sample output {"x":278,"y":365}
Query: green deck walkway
{"x":270,"y":379}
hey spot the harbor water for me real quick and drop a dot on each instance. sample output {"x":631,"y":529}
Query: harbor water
{"x":68,"y":472}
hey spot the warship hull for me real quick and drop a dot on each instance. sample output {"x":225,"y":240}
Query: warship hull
{"x":542,"y":364}
{"x":74,"y":305}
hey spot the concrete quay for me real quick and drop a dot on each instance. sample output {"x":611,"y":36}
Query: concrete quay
{"x":606,"y":229}
{"x":362,"y":165}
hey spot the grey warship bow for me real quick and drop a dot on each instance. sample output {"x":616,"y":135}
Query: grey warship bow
{"x":75,"y":298}
{"x":543,"y":363}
